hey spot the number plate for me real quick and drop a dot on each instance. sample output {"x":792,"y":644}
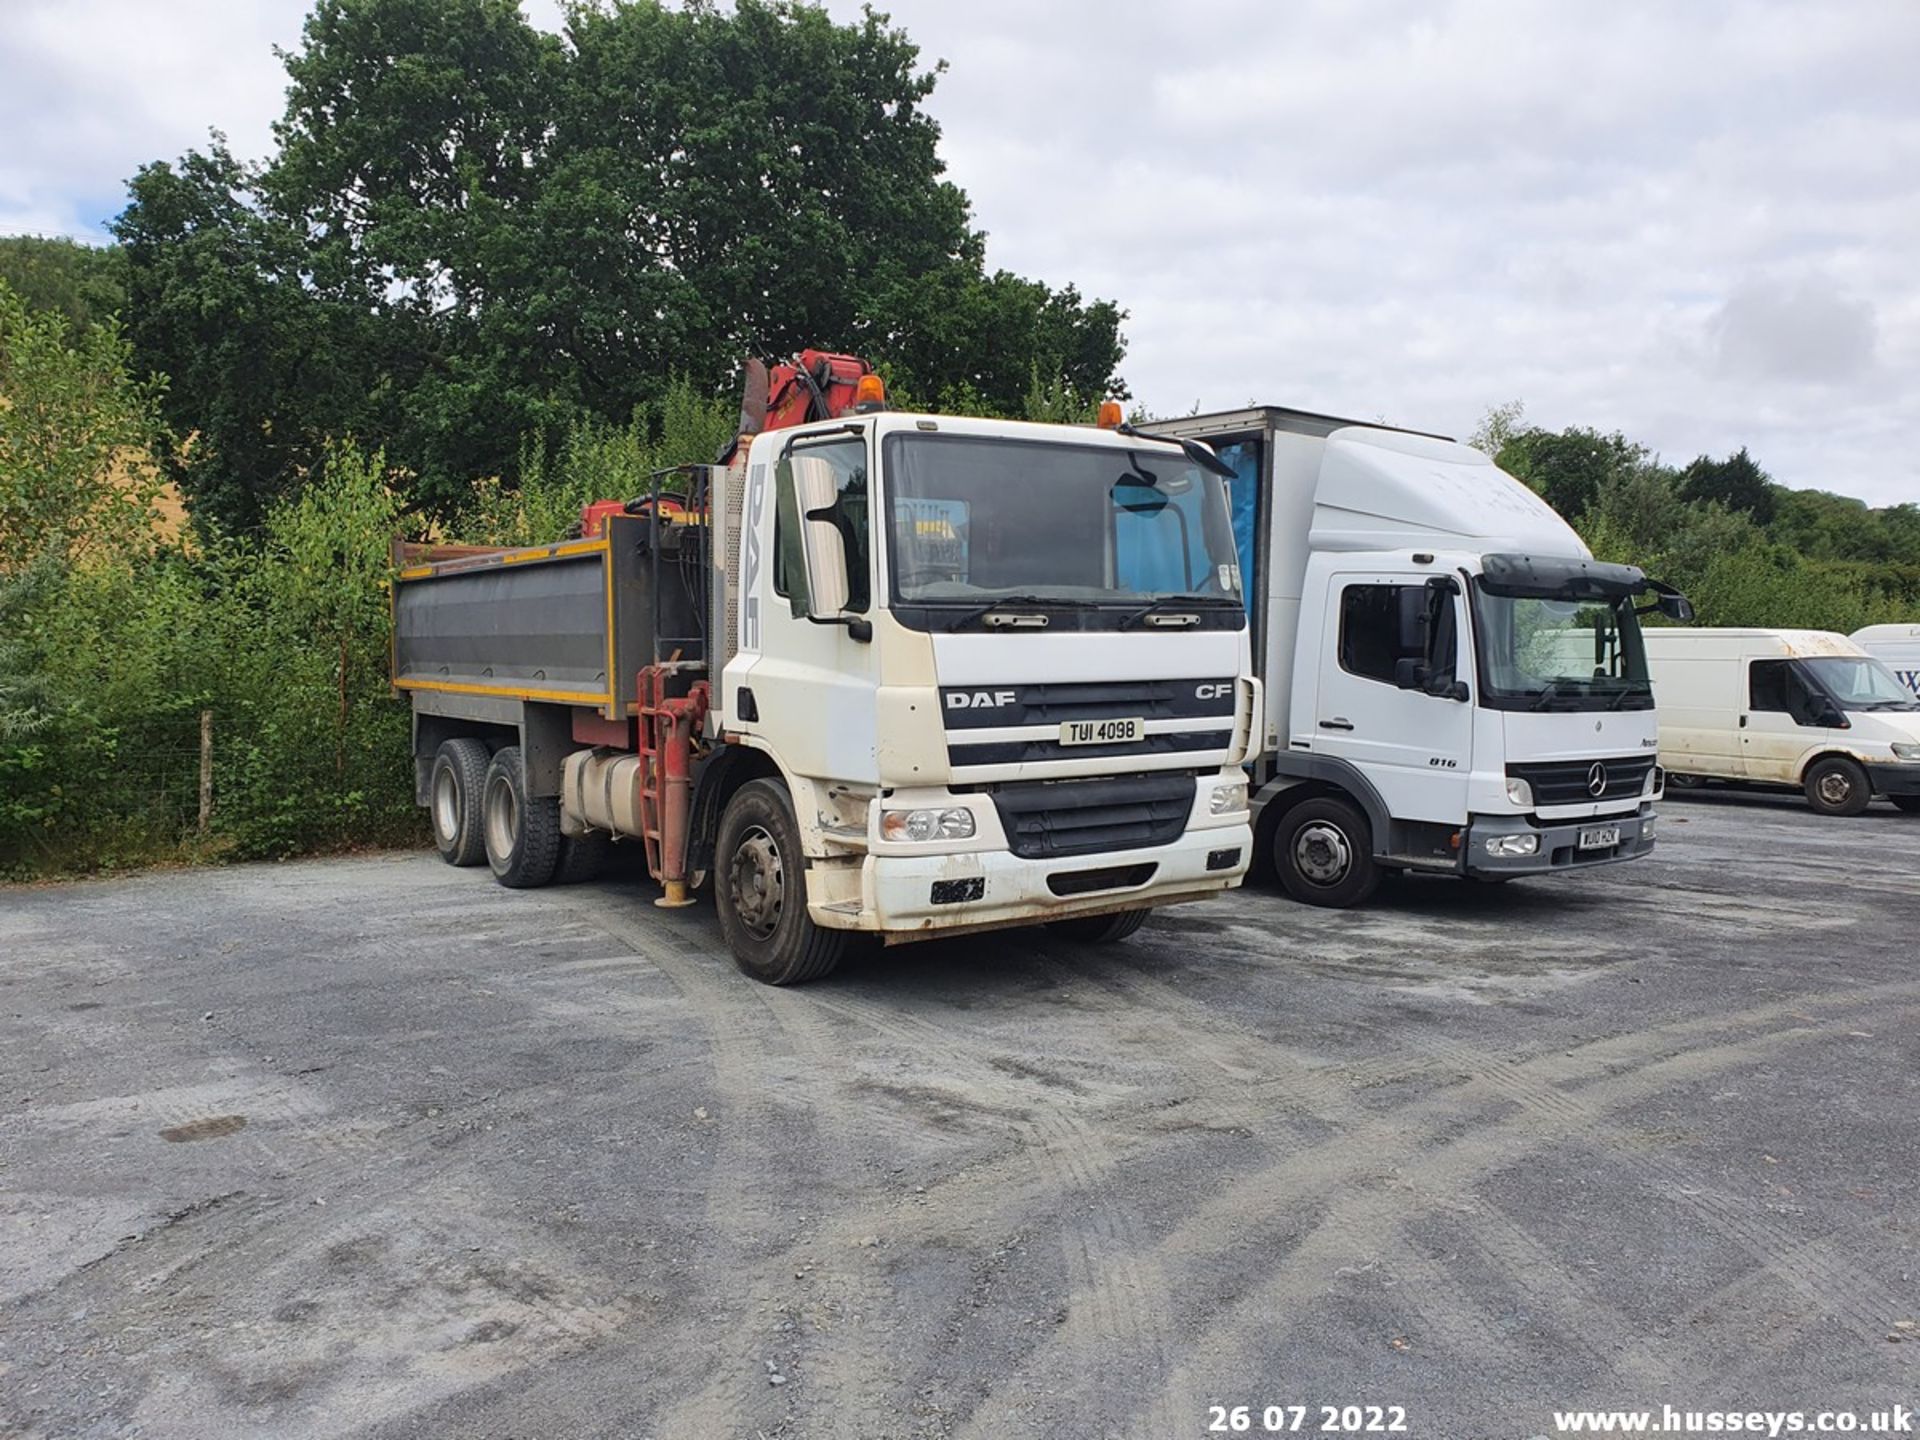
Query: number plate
{"x":1599,"y":837}
{"x":1102,"y":732}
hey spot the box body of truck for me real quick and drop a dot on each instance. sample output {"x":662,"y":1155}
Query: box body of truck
{"x":942,"y":645}
{"x":1453,"y":684}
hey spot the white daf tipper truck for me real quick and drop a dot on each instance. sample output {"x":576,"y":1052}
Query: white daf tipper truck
{"x":897,"y":674}
{"x":1453,"y":684}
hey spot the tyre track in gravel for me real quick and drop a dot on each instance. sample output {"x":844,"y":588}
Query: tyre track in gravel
{"x":1861,"y":1300}
{"x":1319,"y":1176}
{"x":841,"y":1304}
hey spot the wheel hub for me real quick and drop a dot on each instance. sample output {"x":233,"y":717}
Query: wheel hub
{"x":1322,"y":853}
{"x":1835,"y":788}
{"x":756,"y":881}
{"x":503,"y":817}
{"x":446,"y":808}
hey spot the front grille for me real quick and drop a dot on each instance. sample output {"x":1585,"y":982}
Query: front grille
{"x":979,"y":707}
{"x":1088,"y":817}
{"x":1571,"y":782}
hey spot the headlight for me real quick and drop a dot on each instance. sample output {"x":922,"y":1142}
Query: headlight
{"x":1229,"y":798}
{"x":1656,"y":781}
{"x":1904,"y":751}
{"x":947,"y":823}
{"x":1521,"y":794}
{"x":1513,"y":844}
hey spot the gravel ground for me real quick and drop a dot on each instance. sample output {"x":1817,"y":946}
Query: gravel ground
{"x":373,"y":1147}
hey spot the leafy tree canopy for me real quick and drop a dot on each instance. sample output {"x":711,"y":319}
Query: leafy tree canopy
{"x":472,"y":229}
{"x":83,"y":283}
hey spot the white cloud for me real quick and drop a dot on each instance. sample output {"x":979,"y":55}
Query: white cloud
{"x":1692,"y":223}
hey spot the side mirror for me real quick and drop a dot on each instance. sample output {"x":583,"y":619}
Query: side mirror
{"x":1669,"y":602}
{"x":1410,"y":674}
{"x":813,"y":546}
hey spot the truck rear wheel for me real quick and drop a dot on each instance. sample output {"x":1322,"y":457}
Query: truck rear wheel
{"x":1323,"y":851}
{"x":523,"y":834}
{"x":1100,"y":929}
{"x":455,"y":787}
{"x":760,"y":890}
{"x":1837,"y":786}
{"x":582,"y":857}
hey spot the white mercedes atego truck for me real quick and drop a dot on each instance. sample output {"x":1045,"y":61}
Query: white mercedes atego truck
{"x":1454,"y":684}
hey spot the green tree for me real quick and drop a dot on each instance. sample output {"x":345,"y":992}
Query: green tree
{"x":84,"y":283}
{"x":472,"y":231}
{"x":1568,"y":467}
{"x":75,"y":432}
{"x":1735,"y":482}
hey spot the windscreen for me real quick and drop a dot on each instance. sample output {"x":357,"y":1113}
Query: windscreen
{"x":975,"y":519}
{"x":1544,"y":654}
{"x":1859,"y":682}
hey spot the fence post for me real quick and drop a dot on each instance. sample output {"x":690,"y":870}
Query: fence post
{"x":206,"y":770}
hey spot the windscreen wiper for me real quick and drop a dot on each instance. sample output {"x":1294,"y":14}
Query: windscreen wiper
{"x":993,"y":605}
{"x":1547,"y":692}
{"x":1165,"y":602}
{"x":1620,"y":695}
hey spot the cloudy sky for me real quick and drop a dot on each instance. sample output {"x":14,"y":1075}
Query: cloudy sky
{"x":1698,"y":223}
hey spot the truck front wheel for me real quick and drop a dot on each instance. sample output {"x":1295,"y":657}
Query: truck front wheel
{"x":760,"y":890}
{"x":1837,"y":786}
{"x":523,"y":834}
{"x":1323,"y":850}
{"x":1100,"y":929}
{"x":454,"y":790}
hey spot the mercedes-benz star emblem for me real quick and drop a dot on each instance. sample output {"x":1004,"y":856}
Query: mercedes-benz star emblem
{"x":1597,"y":780}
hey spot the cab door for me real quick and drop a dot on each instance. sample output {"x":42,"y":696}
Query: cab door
{"x":1779,"y":722}
{"x":812,"y":684}
{"x":1414,"y":745}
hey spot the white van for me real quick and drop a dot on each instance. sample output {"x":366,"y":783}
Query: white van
{"x":1895,"y":646}
{"x":1785,"y":707}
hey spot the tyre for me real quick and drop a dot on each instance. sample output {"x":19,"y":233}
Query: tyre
{"x":523,"y":834}
{"x":760,"y":890}
{"x":1677,"y":781}
{"x":1908,"y":803}
{"x":455,"y":787}
{"x":1837,"y":786}
{"x":582,"y":857}
{"x":1100,"y":929}
{"x":1323,"y":851}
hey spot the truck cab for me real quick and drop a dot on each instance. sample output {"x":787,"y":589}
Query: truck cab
{"x":1454,"y":685}
{"x":1001,"y":669}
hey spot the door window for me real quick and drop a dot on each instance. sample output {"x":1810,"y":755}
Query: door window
{"x":830,"y":483}
{"x":1767,"y":685}
{"x":1381,"y":625}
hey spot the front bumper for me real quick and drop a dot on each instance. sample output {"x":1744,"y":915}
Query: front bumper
{"x":1559,"y":843}
{"x":1896,"y":777}
{"x":910,"y":896}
